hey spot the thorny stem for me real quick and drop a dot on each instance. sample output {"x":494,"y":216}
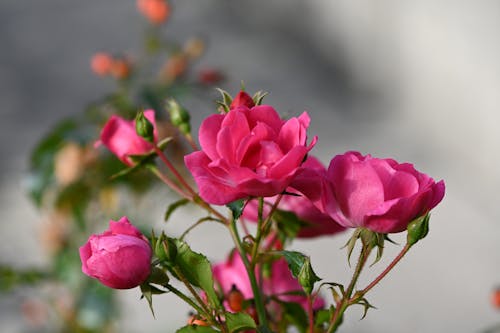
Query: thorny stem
{"x":387,"y":270}
{"x":191,"y":142}
{"x":169,"y":183}
{"x":176,"y":173}
{"x":193,"y":292}
{"x":262,"y":226}
{"x":193,"y":196}
{"x":185,"y":298}
{"x":259,"y":305}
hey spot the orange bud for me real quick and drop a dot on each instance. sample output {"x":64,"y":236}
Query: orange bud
{"x":194,"y":48}
{"x":210,"y":76}
{"x":235,"y":299}
{"x":156,"y":11}
{"x":175,"y":66}
{"x":101,"y":63}
{"x":120,"y":69}
{"x":194,"y":320}
{"x":495,"y":298}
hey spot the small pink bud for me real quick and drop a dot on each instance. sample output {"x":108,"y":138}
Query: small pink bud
{"x":242,"y":99}
{"x":119,"y":258}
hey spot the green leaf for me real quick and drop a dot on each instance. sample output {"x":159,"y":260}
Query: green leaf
{"x":300,"y":266}
{"x":288,"y":223}
{"x":173,"y":206}
{"x":323,"y":316}
{"x":259,"y":96}
{"x":236,"y":208}
{"x":295,"y":261}
{"x":147,"y":293}
{"x":196,"y":329}
{"x":239,"y":321}
{"x":197,"y":270}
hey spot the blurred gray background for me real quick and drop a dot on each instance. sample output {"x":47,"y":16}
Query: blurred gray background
{"x":418,"y":81}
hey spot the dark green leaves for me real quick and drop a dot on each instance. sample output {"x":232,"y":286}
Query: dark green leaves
{"x":196,"y":268}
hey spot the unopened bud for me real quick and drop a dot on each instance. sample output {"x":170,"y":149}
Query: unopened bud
{"x":143,"y":127}
{"x":235,"y":299}
{"x":179,"y":116}
{"x":165,"y":249}
{"x":417,"y":229}
{"x":242,"y":99}
{"x":307,"y":277}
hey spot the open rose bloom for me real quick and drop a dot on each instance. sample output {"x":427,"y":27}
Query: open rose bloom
{"x":248,"y":152}
{"x":378,"y":194}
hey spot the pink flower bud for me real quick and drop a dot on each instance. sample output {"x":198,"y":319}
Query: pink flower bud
{"x":119,"y":258}
{"x":248,"y":152}
{"x":242,"y":99}
{"x":378,"y":194}
{"x":120,"y":137}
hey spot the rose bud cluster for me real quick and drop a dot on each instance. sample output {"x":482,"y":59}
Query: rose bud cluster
{"x":121,"y":138}
{"x":119,"y":258}
{"x":104,"y":64}
{"x":249,"y":151}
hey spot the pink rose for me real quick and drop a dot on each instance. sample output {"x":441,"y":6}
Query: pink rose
{"x":317,"y":222}
{"x":248,"y":152}
{"x":280,"y":283}
{"x":379,"y":194}
{"x":119,"y":258}
{"x":120,"y":137}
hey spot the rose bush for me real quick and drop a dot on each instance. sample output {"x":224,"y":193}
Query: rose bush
{"x":248,"y":152}
{"x":379,"y":194}
{"x":119,"y":258}
{"x":120,"y":137}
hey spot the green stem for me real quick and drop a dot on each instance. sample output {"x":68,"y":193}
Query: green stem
{"x":346,"y":298}
{"x":258,"y":236}
{"x":185,"y":298}
{"x":263,"y":225}
{"x":193,"y":292}
{"x":259,"y":305}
